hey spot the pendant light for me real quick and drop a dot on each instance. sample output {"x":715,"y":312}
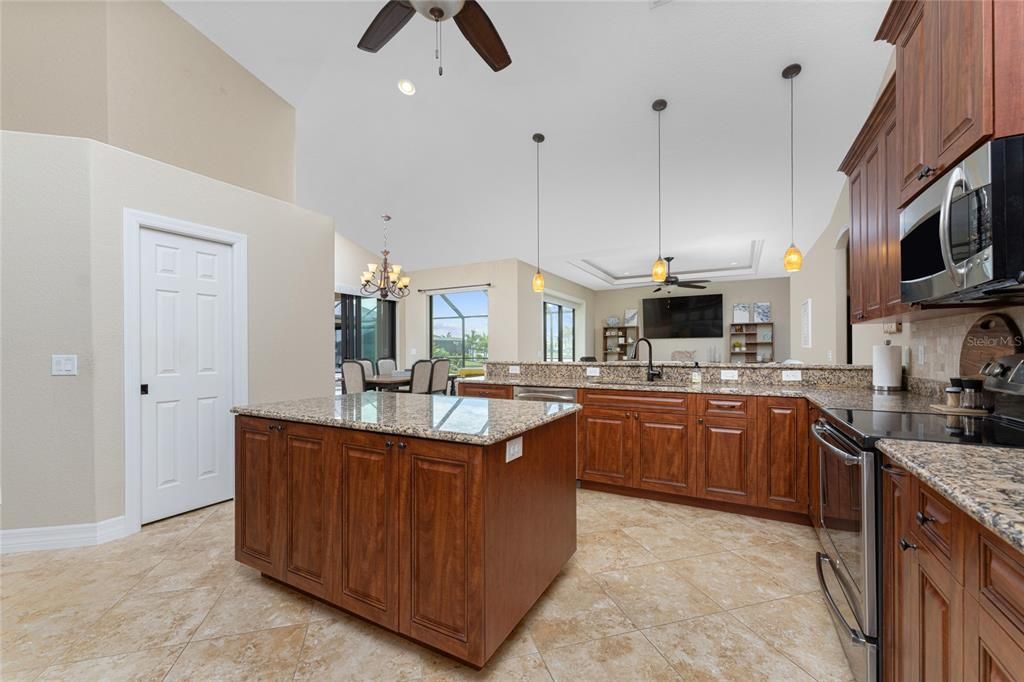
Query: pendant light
{"x":538,"y":277}
{"x":659,"y":271}
{"x":794,"y":259}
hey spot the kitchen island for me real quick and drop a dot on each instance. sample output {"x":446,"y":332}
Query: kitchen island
{"x":438,"y":517}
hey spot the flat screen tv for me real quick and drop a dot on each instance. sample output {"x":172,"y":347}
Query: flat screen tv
{"x":681,"y":317}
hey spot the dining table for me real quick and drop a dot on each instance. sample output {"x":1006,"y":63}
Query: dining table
{"x":389,"y":381}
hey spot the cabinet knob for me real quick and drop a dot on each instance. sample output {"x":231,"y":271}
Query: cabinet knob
{"x":401,"y":446}
{"x":388,"y":444}
{"x":700,"y":420}
{"x":923,"y":518}
{"x":925,"y":172}
{"x":904,"y":545}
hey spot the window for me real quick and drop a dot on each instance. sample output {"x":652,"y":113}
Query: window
{"x":458,"y":328}
{"x":363,"y":328}
{"x":559,"y":332}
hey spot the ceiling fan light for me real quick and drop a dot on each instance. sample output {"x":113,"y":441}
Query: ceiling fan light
{"x":659,"y":271}
{"x":538,"y":282}
{"x":406,"y":87}
{"x":793,"y":260}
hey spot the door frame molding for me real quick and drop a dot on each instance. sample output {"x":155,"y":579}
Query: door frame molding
{"x":134,"y":222}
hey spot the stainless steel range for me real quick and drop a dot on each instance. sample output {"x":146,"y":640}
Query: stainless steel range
{"x":849,"y":524}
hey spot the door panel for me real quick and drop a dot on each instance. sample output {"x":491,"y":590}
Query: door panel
{"x":306,"y":453}
{"x":990,"y":654}
{"x":665,"y":458}
{"x":782,"y":450}
{"x":727,"y":460}
{"x":890,"y":236}
{"x":606,"y":446}
{"x":871,"y":225}
{"x":857,"y":255}
{"x":186,"y":358}
{"x":915,"y":101}
{"x":260,"y":509}
{"x":964,"y":79}
{"x":936,"y":607}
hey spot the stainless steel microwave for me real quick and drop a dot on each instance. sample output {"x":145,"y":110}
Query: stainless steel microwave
{"x":962,"y":239}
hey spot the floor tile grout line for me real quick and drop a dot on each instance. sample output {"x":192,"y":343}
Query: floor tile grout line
{"x":772,"y":646}
{"x":662,"y":653}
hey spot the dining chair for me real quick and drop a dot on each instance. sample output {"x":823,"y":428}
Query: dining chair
{"x":353,"y":376}
{"x":439,"y":376}
{"x":386,"y":366}
{"x":367,"y":366}
{"x":419,"y":379}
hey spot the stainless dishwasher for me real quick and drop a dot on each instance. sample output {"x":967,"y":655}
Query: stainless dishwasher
{"x":544,"y":394}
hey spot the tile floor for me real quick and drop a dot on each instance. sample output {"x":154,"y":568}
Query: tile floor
{"x":655,"y":592}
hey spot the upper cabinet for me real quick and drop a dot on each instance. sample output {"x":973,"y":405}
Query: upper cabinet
{"x":944,"y":84}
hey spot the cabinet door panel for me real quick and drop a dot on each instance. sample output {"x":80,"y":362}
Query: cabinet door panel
{"x":990,"y":654}
{"x":305,"y":450}
{"x":915,"y":100}
{"x":937,"y":613}
{"x":782,"y":450}
{"x":896,"y":620}
{"x":964,"y":80}
{"x":665,"y":458}
{"x":727,"y":460}
{"x":606,"y":446}
{"x":444,"y":540}
{"x":890,"y":235}
{"x":857,"y":248}
{"x":871,"y":226}
{"x":366,"y":509}
{"x":260,"y":497}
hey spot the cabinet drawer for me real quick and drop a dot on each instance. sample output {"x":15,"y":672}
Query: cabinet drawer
{"x":995,"y":577}
{"x":727,"y":405}
{"x":485,"y":391}
{"x":940,"y":526}
{"x":636,"y":400}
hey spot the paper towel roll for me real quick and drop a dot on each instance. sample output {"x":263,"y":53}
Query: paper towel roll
{"x":887,"y":367}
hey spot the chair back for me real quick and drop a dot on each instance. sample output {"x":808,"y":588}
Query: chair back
{"x":386,"y":366}
{"x":354,"y":376}
{"x":439,"y":376}
{"x":367,"y":366}
{"x":420,"y":378}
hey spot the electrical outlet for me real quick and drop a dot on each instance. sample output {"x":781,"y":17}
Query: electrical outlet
{"x":63,"y":365}
{"x":730,"y":375}
{"x":792,"y":375}
{"x":593,"y":371}
{"x":513,"y":449}
{"x":828,"y":357}
{"x":513,"y":369}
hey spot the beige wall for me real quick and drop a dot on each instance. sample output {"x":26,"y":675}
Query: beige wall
{"x":62,"y":292}
{"x":531,"y":311}
{"x":350,"y":260}
{"x":774,"y":291}
{"x":822,"y":279}
{"x":139,"y":77}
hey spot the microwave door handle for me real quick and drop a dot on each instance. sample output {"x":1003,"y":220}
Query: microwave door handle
{"x":957,"y":179}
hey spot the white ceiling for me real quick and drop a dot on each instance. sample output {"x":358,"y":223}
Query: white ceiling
{"x":455,"y":166}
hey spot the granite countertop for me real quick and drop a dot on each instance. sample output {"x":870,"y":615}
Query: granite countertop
{"x":477,"y":421}
{"x":986,"y":482}
{"x":822,"y":396}
{"x":677,"y":363}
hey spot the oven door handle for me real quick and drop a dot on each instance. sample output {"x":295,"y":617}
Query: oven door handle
{"x":817,"y":430}
{"x":856,"y":636}
{"x":957,"y":178}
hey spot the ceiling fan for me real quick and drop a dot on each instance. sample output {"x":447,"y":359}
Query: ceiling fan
{"x":469,"y":16}
{"x":673,"y":281}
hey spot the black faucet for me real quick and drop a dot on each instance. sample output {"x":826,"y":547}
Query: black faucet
{"x":652,"y":372}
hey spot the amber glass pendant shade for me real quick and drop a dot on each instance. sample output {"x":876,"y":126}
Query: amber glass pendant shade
{"x":793,"y":260}
{"x":659,"y":271}
{"x":538,"y":282}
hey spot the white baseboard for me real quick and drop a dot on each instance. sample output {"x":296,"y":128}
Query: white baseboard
{"x":63,"y":537}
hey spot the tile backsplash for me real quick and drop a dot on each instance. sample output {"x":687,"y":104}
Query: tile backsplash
{"x":935,"y":344}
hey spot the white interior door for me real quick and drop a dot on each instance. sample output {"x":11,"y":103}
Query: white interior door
{"x":186,"y":360}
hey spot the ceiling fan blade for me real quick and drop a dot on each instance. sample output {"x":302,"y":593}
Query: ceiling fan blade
{"x":690,"y":285}
{"x":389,"y":21}
{"x":476,"y":26}
{"x":656,"y":290}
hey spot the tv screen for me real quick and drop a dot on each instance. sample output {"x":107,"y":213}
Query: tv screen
{"x":678,"y":317}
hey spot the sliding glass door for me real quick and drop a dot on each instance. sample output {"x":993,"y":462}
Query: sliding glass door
{"x":559,"y":332}
{"x":363,"y":328}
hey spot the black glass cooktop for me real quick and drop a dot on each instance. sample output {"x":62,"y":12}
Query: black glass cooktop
{"x":867,"y":426}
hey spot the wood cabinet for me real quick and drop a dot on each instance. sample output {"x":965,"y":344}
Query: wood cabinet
{"x":664,"y":452}
{"x":782,"y":467}
{"x":392,"y":528}
{"x":870,"y":165}
{"x":726,"y":464}
{"x":915,"y":102}
{"x":475,"y":390}
{"x":897,"y":627}
{"x":934,"y":604}
{"x":606,"y":445}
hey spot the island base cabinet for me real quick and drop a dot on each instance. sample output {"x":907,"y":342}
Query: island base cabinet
{"x":782,"y":454}
{"x":726,"y":468}
{"x":990,"y":654}
{"x":392,"y":529}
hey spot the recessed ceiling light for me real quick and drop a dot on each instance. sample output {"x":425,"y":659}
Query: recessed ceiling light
{"x":625,"y":273}
{"x":406,"y":87}
{"x":734,"y":263}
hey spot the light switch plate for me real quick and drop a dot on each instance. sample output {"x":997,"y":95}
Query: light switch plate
{"x":593,"y":371}
{"x":730,"y":375}
{"x":63,"y":365}
{"x":513,"y":369}
{"x":792,"y":375}
{"x":513,"y":449}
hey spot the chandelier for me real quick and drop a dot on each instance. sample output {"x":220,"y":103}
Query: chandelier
{"x":385,"y":279}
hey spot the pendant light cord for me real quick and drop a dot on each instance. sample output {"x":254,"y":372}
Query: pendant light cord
{"x":792,"y":186}
{"x":659,"y":185}
{"x":538,"y":206}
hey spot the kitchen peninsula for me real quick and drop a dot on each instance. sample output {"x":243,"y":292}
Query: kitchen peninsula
{"x":442,"y":518}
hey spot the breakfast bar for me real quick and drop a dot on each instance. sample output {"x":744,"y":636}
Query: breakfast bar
{"x":438,"y":517}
